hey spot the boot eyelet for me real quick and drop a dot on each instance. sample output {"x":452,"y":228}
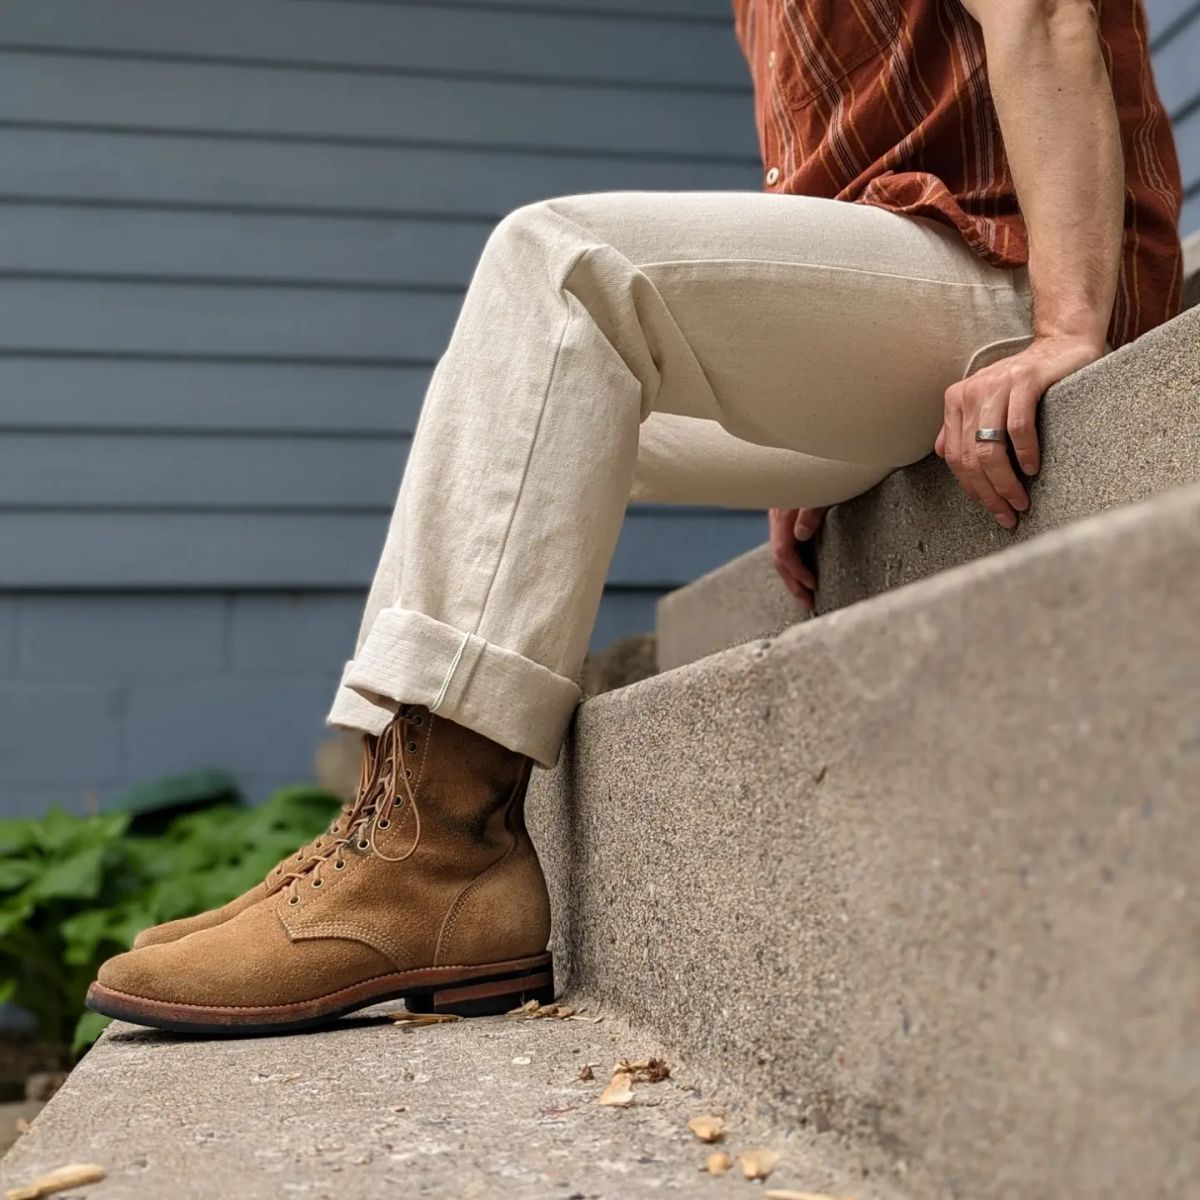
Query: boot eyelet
{"x":383,"y":825}
{"x":418,"y":720}
{"x":411,"y":747}
{"x":407,"y":772}
{"x":294,"y":901}
{"x":318,"y":883}
{"x":340,"y":866}
{"x":363,"y":845}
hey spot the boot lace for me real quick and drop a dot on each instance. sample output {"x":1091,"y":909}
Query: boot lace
{"x":366,"y":778}
{"x":386,"y":772}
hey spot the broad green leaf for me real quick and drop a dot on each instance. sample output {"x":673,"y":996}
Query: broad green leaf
{"x":14,"y":915}
{"x":76,"y":877}
{"x":17,"y":836}
{"x":16,"y":873}
{"x":87,"y":1029}
{"x":59,"y":831}
{"x":85,"y":933}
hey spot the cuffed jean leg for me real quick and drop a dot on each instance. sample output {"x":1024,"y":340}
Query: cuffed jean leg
{"x":513,"y":497}
{"x":715,"y":341}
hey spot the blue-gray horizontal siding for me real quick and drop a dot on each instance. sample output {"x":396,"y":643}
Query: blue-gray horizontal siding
{"x":234,"y":237}
{"x":1175,"y":43}
{"x":140,"y":685}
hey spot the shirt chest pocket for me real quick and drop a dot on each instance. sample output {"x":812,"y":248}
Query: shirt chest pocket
{"x":817,"y":45}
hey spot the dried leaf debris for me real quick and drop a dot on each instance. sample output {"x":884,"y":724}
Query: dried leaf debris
{"x":718,"y":1163}
{"x":532,"y":1010}
{"x":406,"y":1019}
{"x":708,"y":1128}
{"x":758,"y":1163}
{"x":619,"y":1092}
{"x":645,"y":1070}
{"x":62,"y":1180}
{"x":788,"y":1194}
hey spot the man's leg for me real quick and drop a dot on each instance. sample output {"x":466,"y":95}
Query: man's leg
{"x":721,"y":348}
{"x":791,"y":323}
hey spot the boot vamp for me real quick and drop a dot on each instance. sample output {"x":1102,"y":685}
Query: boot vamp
{"x":397,"y":907}
{"x":249,"y":961}
{"x":172,"y":931}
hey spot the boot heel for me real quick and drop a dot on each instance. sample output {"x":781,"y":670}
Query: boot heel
{"x":487,"y":997}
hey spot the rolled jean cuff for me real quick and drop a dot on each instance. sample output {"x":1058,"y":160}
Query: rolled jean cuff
{"x":410,"y":658}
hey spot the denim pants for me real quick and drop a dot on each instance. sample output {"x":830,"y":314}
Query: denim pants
{"x":737,"y":349}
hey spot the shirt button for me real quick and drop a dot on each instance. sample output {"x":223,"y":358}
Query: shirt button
{"x":771,"y":60}
{"x":773,"y":176}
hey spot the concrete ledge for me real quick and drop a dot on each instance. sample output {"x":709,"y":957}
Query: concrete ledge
{"x":366,"y":1111}
{"x":1116,"y":432}
{"x":923,"y":873}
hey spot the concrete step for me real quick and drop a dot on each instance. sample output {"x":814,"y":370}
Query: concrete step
{"x":922,"y":873}
{"x":1125,"y":428}
{"x":486,"y":1108}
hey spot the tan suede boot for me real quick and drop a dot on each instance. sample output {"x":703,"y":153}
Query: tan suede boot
{"x":434,"y":893}
{"x":277,"y":876}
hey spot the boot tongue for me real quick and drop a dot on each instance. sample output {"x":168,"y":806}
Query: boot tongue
{"x":383,"y":772}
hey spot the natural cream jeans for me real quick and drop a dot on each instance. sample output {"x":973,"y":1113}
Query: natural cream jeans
{"x":721,"y":348}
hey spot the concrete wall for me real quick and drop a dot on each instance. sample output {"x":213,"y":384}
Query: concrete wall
{"x":233,"y":239}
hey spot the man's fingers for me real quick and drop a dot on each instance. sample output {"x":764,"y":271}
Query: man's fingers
{"x":984,"y":490}
{"x":1022,"y":426}
{"x":797,"y":578}
{"x":808,"y":521}
{"x":997,"y":470}
{"x":992,"y":457}
{"x":953,"y":441}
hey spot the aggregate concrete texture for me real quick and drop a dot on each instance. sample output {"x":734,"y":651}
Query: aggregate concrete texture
{"x":923,"y":871}
{"x":486,"y":1108}
{"x":1121,"y":430}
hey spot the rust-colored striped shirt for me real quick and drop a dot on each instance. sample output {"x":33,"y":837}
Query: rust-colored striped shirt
{"x":886,"y":102}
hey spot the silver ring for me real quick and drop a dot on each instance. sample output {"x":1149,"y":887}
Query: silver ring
{"x":991,"y":435}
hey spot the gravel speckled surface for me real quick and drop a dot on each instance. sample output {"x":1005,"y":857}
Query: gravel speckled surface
{"x":485,"y":1108}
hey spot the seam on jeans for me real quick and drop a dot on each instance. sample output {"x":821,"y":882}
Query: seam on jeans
{"x":466,"y":637}
{"x":512,"y":516}
{"x":819,"y":266}
{"x":1003,"y":347}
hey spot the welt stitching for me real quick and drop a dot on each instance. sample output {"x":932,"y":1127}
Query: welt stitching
{"x":302,"y":1003}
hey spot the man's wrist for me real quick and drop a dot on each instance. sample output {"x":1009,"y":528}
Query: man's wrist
{"x":1086,"y":328}
{"x":1085,"y":340}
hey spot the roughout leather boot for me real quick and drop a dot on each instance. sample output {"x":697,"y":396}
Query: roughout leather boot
{"x":433,"y":893}
{"x":277,"y":876}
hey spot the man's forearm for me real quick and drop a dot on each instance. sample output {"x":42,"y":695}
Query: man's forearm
{"x":1055,"y":104}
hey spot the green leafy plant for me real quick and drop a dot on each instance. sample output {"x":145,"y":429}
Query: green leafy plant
{"x":76,"y":889}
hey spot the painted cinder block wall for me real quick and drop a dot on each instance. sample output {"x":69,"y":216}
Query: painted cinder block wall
{"x":233,"y":239}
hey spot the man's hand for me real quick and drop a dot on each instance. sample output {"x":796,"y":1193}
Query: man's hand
{"x":1055,"y":106}
{"x":1005,"y":395}
{"x":788,"y":526}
